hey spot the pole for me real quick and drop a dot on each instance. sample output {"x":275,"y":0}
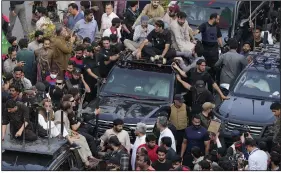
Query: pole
{"x":61,"y":127}
{"x":97,"y":101}
{"x":49,"y":130}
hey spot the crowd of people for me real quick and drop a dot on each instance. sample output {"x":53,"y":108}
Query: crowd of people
{"x":57,"y":75}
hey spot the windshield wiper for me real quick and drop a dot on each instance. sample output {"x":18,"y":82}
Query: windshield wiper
{"x":121,"y":95}
{"x":152,"y":99}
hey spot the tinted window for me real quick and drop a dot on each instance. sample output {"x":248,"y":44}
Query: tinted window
{"x":199,"y":12}
{"x":259,"y":84}
{"x":139,"y":83}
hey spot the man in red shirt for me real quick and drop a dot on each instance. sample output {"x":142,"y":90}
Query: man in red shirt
{"x":151,"y":147}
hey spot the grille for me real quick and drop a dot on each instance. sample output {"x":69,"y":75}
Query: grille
{"x":254,"y":130}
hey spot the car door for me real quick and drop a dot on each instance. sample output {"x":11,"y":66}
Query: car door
{"x":66,"y":163}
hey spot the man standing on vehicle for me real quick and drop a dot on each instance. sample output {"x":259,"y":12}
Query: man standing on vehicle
{"x":231,"y":63}
{"x":17,"y":115}
{"x":211,"y":39}
{"x":276,"y":109}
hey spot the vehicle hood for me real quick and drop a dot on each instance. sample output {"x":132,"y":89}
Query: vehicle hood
{"x":246,"y":110}
{"x":131,"y":111}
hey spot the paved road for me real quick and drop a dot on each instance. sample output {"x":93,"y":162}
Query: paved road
{"x":17,"y":31}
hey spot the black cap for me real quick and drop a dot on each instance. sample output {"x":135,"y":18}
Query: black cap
{"x":95,"y":44}
{"x":77,"y":71}
{"x":40,"y":86}
{"x":179,"y":98}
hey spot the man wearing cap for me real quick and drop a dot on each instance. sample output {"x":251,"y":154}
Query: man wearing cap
{"x":77,"y":81}
{"x":140,"y":139}
{"x":171,"y":15}
{"x":140,"y":34}
{"x":153,"y":10}
{"x":178,"y":112}
{"x":204,"y":115}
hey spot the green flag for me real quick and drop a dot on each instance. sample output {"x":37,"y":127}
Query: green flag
{"x":5,"y":44}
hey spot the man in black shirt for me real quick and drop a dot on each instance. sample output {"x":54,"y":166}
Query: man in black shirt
{"x":77,"y":81}
{"x":130,"y":16}
{"x":162,"y":164}
{"x":17,"y":115}
{"x":160,"y":39}
{"x":256,"y":38}
{"x":211,"y":39}
{"x":107,"y":58}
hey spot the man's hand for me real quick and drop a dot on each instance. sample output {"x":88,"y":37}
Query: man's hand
{"x":18,"y":134}
{"x":138,"y":54}
{"x":72,"y":39}
{"x":97,"y":111}
{"x":87,"y":89}
{"x":223,"y":97}
{"x":20,"y":64}
{"x":178,"y":77}
{"x":175,"y":66}
{"x":13,"y":13}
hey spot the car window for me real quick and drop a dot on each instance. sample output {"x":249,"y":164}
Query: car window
{"x":139,"y":83}
{"x":68,"y":164}
{"x":199,"y":12}
{"x":259,"y":84}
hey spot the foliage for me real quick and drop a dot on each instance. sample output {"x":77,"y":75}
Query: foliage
{"x":48,"y":29}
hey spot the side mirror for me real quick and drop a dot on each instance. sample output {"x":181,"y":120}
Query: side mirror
{"x":225,"y":86}
{"x":226,"y":39}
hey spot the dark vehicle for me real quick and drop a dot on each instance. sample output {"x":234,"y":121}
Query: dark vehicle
{"x":38,"y":156}
{"x":258,"y":85}
{"x":134,"y":92}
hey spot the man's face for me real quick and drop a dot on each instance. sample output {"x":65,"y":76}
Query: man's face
{"x":108,"y":9}
{"x":161,"y":156}
{"x":202,"y":67}
{"x":276,"y":113}
{"x":48,"y":106}
{"x":196,"y":122}
{"x":39,"y":38}
{"x":118,"y":128}
{"x":178,"y":103}
{"x":90,"y":17}
{"x":17,"y":75}
{"x":217,"y":21}
{"x":181,"y":21}
{"x":46,"y":44}
{"x":246,"y":48}
{"x":155,"y":4}
{"x":106,"y":44}
{"x":257,"y":34}
{"x":172,"y":14}
{"x":151,"y":144}
{"x":72,"y":102}
{"x":71,"y":10}
{"x":97,"y":49}
{"x":59,"y":84}
{"x":176,"y":164}
{"x":144,"y":25}
{"x":79,"y":54}
{"x":12,"y":110}
{"x":13,"y":55}
{"x":76,"y":76}
{"x":13,"y":93}
{"x":70,"y":68}
{"x":157,"y":28}
{"x":140,"y":161}
{"x":15,"y":43}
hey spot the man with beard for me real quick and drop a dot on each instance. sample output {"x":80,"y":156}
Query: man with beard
{"x":107,"y":58}
{"x":57,"y":92}
{"x":62,"y":46}
{"x":14,"y":92}
{"x":246,"y":49}
{"x":162,"y":164}
{"x":181,"y":34}
{"x":144,"y":163}
{"x":13,"y":41}
{"x":114,"y":29}
{"x":44,"y":58}
{"x":153,"y":10}
{"x":195,"y":135}
{"x":78,"y":58}
{"x":161,"y":43}
{"x":130,"y":16}
{"x":211,"y":39}
{"x":11,"y":62}
{"x":20,"y":81}
{"x":37,"y":43}
{"x":87,"y":27}
{"x":118,"y":131}
{"x":77,"y":81}
{"x":171,"y":15}
{"x":151,"y":147}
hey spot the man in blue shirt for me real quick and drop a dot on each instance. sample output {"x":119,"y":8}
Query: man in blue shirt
{"x":75,"y":15}
{"x":87,"y":27}
{"x":195,"y":135}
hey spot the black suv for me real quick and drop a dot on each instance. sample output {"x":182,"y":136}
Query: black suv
{"x":134,"y":91}
{"x":258,"y":85}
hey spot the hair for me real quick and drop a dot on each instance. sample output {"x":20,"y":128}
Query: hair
{"x":143,"y":150}
{"x":71,"y":63}
{"x":87,"y":12}
{"x":200,"y":61}
{"x":113,"y":38}
{"x":18,"y":69}
{"x":233,"y":43}
{"x":213,"y":16}
{"x":196,"y":152}
{"x":141,"y":127}
{"x":163,"y":121}
{"x":12,"y":39}
{"x":196,"y":117}
{"x":115,"y":21}
{"x":199,"y":49}
{"x":275,"y":157}
{"x":216,"y":168}
{"x":109,"y":3}
{"x":176,"y":159}
{"x":87,"y":40}
{"x":161,"y":149}
{"x":73,"y":91}
{"x":205,"y":165}
{"x":263,"y":146}
{"x":79,"y":48}
{"x":150,"y":137}
{"x":46,"y":38}
{"x":85,"y":4}
{"x":11,"y":50}
{"x":11,"y":103}
{"x":160,"y":23}
{"x":16,"y":87}
{"x":146,"y":159}
{"x":106,"y":38}
{"x":66,"y":97}
{"x":65,"y":105}
{"x":133,"y":3}
{"x":251,"y":142}
{"x":181,"y":15}
{"x":42,"y":10}
{"x":247,"y":42}
{"x":73,"y":5}
{"x":166,"y":141}
{"x":226,"y":165}
{"x":23,"y":43}
{"x":275,"y":106}
{"x":258,"y":28}
{"x":59,"y":28}
{"x":117,"y":122}
{"x":114,"y":141}
{"x":38,"y":33}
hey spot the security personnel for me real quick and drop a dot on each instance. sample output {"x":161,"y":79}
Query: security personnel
{"x":211,"y":39}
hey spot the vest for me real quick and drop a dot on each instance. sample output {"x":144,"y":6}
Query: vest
{"x":210,"y":35}
{"x":179,"y":117}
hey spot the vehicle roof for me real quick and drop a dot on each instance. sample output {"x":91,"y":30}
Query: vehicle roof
{"x":40,"y":146}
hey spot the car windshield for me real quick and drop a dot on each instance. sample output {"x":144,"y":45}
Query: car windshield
{"x":199,"y":12}
{"x":257,"y":84}
{"x":139,"y":83}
